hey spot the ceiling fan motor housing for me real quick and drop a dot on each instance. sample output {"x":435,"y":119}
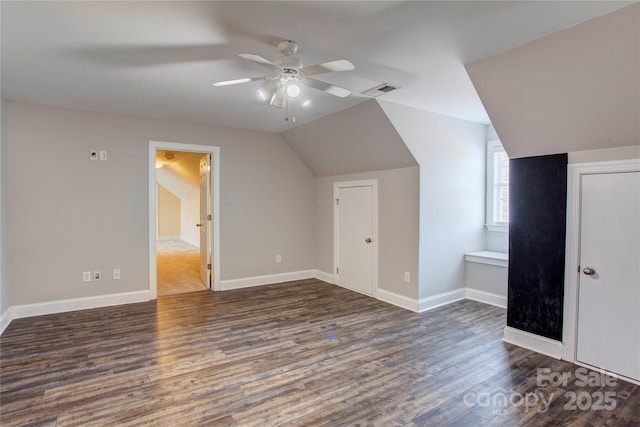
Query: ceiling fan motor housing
{"x":288,"y":47}
{"x":289,"y":64}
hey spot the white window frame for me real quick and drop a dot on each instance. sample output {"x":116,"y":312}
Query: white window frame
{"x":492,"y":147}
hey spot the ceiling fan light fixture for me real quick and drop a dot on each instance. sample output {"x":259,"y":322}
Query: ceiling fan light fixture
{"x":293,"y":90}
{"x":270,"y":87}
{"x":278,"y":99}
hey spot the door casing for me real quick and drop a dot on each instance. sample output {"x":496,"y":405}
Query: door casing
{"x":360,"y":183}
{"x":154,"y":146}
{"x":572,"y":258}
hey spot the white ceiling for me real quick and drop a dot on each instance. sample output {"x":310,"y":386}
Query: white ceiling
{"x":158,"y":59}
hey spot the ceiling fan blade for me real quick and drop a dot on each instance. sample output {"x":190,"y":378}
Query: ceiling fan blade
{"x":328,"y":67}
{"x":238,"y":81}
{"x":261,"y":61}
{"x":327,"y":87}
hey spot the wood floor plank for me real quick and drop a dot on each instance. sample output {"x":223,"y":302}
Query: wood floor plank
{"x":302,"y":353}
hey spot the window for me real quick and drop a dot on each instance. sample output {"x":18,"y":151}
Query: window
{"x":497,"y":187}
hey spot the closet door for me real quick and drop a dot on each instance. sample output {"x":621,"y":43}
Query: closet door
{"x":609,"y":287}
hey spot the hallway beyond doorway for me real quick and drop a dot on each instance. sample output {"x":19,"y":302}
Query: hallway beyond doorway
{"x":178,"y":267}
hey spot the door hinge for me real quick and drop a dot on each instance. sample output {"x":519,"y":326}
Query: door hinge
{"x":337,"y":270}
{"x":337,"y":202}
{"x":209,"y":217}
{"x":208,"y":266}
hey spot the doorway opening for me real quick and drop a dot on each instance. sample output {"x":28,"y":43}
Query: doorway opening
{"x":183,"y":218}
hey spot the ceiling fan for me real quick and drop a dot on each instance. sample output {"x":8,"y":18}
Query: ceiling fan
{"x":289,"y":75}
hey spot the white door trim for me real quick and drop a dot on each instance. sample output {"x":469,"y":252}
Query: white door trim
{"x":215,"y":197}
{"x":361,"y":183}
{"x":572,"y":257}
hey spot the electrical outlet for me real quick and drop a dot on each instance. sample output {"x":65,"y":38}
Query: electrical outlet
{"x":103,"y":155}
{"x":278,"y":258}
{"x":86,"y":276}
{"x":407,"y":276}
{"x":116,"y":274}
{"x":93,"y":155}
{"x":96,"y":276}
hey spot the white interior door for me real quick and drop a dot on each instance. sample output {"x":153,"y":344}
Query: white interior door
{"x":609,"y":285}
{"x":205,"y":220}
{"x":355,"y":238}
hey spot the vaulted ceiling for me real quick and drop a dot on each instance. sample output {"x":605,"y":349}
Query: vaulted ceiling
{"x":159,"y":59}
{"x":358,"y":139}
{"x":574,"y":90}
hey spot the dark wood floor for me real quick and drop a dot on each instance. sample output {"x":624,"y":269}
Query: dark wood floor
{"x":301,"y":353}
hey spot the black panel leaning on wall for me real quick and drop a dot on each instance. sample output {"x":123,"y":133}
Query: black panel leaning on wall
{"x":537,"y":233}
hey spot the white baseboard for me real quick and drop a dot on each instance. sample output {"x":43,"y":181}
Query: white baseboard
{"x":549,"y":347}
{"x":248,"y":282}
{"x":168,"y":238}
{"x":398,"y":300}
{"x":604,"y":371}
{"x":444,"y":298}
{"x":5,"y":319}
{"x":60,"y":306}
{"x":191,"y":242}
{"x":487,"y":297}
{"x":324,"y":276}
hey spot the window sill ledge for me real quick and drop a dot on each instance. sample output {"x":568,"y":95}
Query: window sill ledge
{"x":499,"y":259}
{"x":498,"y":228}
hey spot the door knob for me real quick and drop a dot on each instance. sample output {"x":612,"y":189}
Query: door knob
{"x":198,"y":225}
{"x":368,"y":240}
{"x":589,"y":271}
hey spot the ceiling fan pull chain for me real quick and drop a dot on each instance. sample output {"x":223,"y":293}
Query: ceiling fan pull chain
{"x":286,"y":118}
{"x":293,"y":110}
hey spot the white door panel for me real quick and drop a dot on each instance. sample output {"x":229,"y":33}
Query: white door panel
{"x":609,"y":295}
{"x":205,"y":222}
{"x":355,"y":233}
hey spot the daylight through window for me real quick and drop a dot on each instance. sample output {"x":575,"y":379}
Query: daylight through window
{"x":497,"y":187}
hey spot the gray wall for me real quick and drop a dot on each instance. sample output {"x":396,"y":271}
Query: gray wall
{"x":398,"y":222}
{"x":168,"y":213}
{"x":67,"y":214}
{"x":605,"y":155}
{"x":486,"y":278}
{"x":450,"y":153}
{"x":4,"y":294}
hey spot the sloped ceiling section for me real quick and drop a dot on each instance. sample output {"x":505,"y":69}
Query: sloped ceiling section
{"x":358,"y":139}
{"x":577,"y":89}
{"x":181,"y":177}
